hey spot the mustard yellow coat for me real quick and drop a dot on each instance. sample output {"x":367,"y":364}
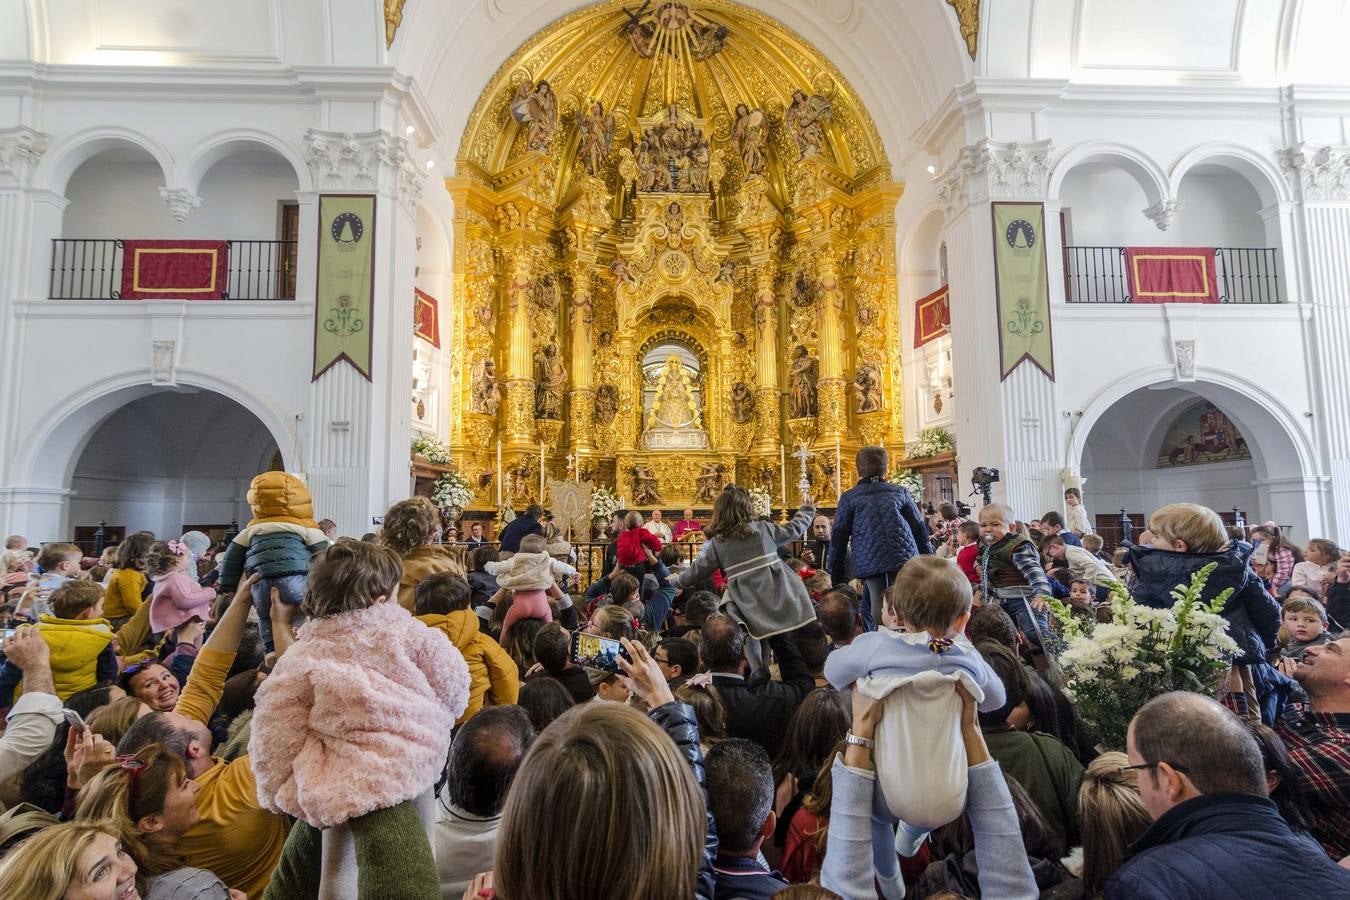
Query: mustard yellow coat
{"x":123,"y":596}
{"x":490,"y":667}
{"x":75,"y":645}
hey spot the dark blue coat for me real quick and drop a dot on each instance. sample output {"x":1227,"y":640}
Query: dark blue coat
{"x":517,"y":528}
{"x":1253,"y":617}
{"x":1234,"y":846}
{"x":886,"y":528}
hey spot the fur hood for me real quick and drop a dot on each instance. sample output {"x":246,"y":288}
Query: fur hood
{"x":356,"y":716}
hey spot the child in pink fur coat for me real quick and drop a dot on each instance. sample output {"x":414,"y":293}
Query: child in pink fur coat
{"x":351,"y":731}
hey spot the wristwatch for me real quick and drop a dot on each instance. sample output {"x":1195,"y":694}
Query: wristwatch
{"x":856,"y":741}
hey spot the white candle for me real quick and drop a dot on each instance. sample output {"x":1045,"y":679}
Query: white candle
{"x":782,"y":472}
{"x":499,"y":472}
{"x":541,"y":473}
{"x":838,"y":469}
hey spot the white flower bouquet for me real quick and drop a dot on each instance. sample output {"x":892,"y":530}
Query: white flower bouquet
{"x":761,"y":501}
{"x":435,"y":452}
{"x":910,"y":480}
{"x":451,"y":491}
{"x":1114,"y":668}
{"x":931,"y":442}
{"x":603,"y":504}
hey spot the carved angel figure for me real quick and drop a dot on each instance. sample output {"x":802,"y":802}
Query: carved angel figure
{"x":866,"y":389}
{"x":640,"y":35}
{"x":807,"y":118}
{"x":803,"y":375}
{"x":536,"y":107}
{"x":485,"y":393}
{"x":597,"y":135}
{"x":606,"y":403}
{"x":726,"y":273}
{"x":742,"y":403}
{"x":747,"y":136}
{"x":619,"y":269}
{"x":645,"y":491}
{"x":709,"y":482}
{"x":707,"y":40}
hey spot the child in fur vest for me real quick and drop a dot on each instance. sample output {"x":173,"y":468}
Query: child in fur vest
{"x":531,"y":576}
{"x":351,"y":731}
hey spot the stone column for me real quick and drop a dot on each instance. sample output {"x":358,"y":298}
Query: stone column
{"x":359,"y":431}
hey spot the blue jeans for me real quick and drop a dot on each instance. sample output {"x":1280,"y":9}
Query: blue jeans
{"x":291,"y":589}
{"x":874,"y":593}
{"x":1017,"y":604}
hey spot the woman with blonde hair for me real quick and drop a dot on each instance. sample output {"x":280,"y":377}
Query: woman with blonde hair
{"x":409,"y":528}
{"x":634,"y":784}
{"x":70,"y":861}
{"x":1112,"y":817}
{"x":112,"y":720}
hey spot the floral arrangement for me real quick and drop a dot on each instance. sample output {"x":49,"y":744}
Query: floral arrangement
{"x":1116,"y":667}
{"x":434,"y":451}
{"x":909,"y":479}
{"x":931,"y":442}
{"x":451,"y":491}
{"x":603,"y":504}
{"x":761,"y":502}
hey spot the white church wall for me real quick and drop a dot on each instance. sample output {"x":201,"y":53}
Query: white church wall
{"x":1220,"y":486}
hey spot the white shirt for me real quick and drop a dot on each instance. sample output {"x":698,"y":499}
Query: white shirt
{"x":463,"y":844}
{"x":1077,"y":519}
{"x":661,"y":530}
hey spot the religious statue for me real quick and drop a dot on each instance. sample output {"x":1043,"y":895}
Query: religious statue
{"x":645,"y":492}
{"x":596,"y":129}
{"x":807,"y":119}
{"x":486,"y":394}
{"x":523,"y":478}
{"x":673,"y":155}
{"x":707,"y":40}
{"x":726,"y":273}
{"x":606,"y":404}
{"x":674,"y":406}
{"x":803,"y":375}
{"x":709,"y":481}
{"x":866,"y":389}
{"x":803,"y":289}
{"x":742,"y":403}
{"x":549,"y":380}
{"x":536,"y":107}
{"x":640,"y":35}
{"x":747,"y":136}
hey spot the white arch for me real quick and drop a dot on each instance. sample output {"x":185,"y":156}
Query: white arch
{"x":1296,"y":439}
{"x":47,"y":456}
{"x":189,"y":173}
{"x":1254,"y":169}
{"x":1137,"y":164}
{"x":927,"y":231}
{"x":60,"y":162}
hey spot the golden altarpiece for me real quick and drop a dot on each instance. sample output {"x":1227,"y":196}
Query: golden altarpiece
{"x":674,"y":261}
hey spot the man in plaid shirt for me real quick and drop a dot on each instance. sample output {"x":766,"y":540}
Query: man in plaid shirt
{"x":1317,"y":734}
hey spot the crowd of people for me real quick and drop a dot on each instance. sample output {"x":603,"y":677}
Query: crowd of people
{"x":867,"y":705}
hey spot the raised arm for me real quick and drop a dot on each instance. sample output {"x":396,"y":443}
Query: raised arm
{"x":848,"y":869}
{"x":202,"y":693}
{"x":793,"y":530}
{"x":700,"y":568}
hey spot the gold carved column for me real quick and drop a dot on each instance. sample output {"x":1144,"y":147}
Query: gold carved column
{"x":833,"y":416}
{"x":519,"y":420}
{"x":582,"y":398}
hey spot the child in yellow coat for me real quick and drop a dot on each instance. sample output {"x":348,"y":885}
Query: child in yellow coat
{"x":442,"y":602}
{"x":80,"y":639}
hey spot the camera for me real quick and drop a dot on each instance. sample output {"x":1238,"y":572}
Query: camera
{"x":983,"y":476}
{"x":377,"y":520}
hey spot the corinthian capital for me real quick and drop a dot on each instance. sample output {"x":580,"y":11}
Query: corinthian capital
{"x":20,"y":150}
{"x":1323,"y":173}
{"x":373,"y":160}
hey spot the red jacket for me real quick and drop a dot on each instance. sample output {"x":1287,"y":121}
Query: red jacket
{"x":630,"y":544}
{"x":965,"y":560}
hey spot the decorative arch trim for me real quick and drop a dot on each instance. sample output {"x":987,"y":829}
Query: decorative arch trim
{"x":1260,"y":173}
{"x":60,"y":162}
{"x":1133,"y":162}
{"x":203,"y":157}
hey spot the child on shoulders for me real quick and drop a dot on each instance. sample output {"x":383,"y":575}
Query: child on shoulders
{"x":81,"y":642}
{"x":530,"y":576}
{"x":59,"y":563}
{"x":636,"y":547}
{"x":176,"y":596}
{"x":1318,"y":566}
{"x":920,"y":760}
{"x":1012,"y":573}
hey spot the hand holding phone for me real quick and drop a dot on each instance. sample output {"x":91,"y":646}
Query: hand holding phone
{"x":595,"y":652}
{"x":75,"y":720}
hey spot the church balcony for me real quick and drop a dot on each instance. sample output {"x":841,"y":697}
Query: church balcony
{"x":92,"y":269}
{"x":1100,"y":275}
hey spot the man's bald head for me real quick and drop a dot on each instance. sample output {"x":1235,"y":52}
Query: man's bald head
{"x":838,"y":615}
{"x":721,"y":643}
{"x":820,"y":530}
{"x":1201,"y":739}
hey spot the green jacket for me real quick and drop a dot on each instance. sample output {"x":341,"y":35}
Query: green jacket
{"x":1047,"y":770}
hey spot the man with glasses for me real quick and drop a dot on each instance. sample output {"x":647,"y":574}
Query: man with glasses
{"x":1214,"y":832}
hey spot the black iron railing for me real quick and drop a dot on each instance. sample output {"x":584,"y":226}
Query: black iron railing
{"x":1245,"y":275}
{"x":91,"y":269}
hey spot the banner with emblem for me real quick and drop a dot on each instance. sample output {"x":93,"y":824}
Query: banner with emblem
{"x":426,"y":317}
{"x":1022,"y":287}
{"x":345,"y":292}
{"x":932,"y":317}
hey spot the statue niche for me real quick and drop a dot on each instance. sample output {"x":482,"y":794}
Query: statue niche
{"x":673,"y":420}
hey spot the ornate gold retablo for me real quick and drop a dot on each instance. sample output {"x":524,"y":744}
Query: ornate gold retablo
{"x":674,"y":253}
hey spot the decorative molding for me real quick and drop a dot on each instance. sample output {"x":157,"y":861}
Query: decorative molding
{"x":1163,"y":213}
{"x":181,"y":202}
{"x":1184,"y":353}
{"x":20,"y":149}
{"x":968,"y":16}
{"x":1017,"y":170}
{"x":371,"y":160}
{"x":957,"y":184}
{"x":162,"y":358}
{"x":1324,"y":174}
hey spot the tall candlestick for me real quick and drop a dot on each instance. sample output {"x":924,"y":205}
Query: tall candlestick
{"x":541,"y":473}
{"x":499,"y":472}
{"x":838,"y":470}
{"x":782,"y":472}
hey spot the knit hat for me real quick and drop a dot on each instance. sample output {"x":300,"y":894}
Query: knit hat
{"x":197,"y":543}
{"x":187,"y":884}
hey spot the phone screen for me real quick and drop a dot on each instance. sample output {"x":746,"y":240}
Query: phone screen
{"x":9,"y":632}
{"x":597,"y":652}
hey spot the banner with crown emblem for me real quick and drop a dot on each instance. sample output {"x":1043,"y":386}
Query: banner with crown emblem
{"x":1022,"y":287}
{"x":345,"y":291}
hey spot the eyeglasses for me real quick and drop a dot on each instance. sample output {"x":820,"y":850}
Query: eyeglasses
{"x":664,"y":660}
{"x":133,"y":766}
